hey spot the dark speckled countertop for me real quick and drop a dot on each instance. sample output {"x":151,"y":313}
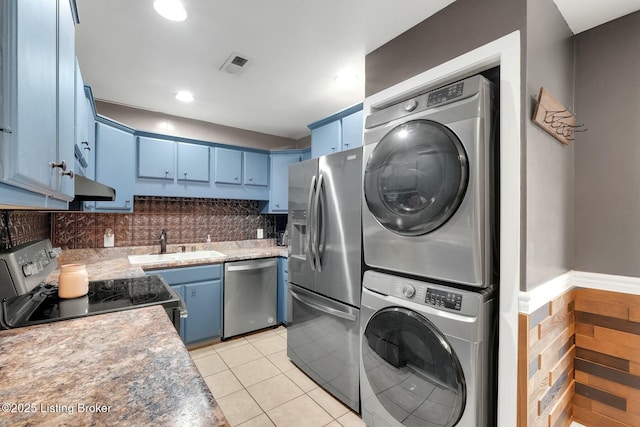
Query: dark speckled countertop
{"x":130,"y":364}
{"x":112,"y":263}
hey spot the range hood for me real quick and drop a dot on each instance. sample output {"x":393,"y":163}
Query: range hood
{"x":90,"y":190}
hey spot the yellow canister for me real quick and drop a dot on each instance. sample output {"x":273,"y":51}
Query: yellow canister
{"x":73,"y":281}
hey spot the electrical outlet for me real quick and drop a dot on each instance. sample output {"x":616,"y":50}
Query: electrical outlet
{"x":260,"y":233}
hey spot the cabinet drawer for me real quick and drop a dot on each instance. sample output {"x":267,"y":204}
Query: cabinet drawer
{"x":183,"y":275}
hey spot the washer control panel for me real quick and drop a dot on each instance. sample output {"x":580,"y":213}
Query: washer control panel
{"x":444,"y":299}
{"x":425,"y":294}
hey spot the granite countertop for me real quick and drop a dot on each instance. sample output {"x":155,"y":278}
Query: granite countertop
{"x":112,"y":263}
{"x":122,"y":368}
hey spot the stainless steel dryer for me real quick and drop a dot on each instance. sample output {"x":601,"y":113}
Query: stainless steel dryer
{"x":426,"y":354}
{"x":428,"y":189}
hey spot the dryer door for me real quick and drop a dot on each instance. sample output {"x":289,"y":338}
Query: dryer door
{"x":412,"y":369}
{"x":416,"y":177}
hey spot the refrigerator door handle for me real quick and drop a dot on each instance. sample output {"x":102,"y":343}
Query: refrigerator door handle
{"x":324,"y":309}
{"x":310,"y":227}
{"x":317,"y":225}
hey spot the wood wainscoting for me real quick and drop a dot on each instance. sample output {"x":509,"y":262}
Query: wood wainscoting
{"x":546,"y":351}
{"x":607,"y":364}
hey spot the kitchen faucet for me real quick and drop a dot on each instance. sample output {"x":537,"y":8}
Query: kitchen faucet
{"x":163,"y":242}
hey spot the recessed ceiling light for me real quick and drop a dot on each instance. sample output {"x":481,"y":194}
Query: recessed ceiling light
{"x":173,"y":10}
{"x":346,"y":78}
{"x":184,"y":96}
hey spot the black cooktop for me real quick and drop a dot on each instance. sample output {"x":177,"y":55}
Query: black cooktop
{"x":43,"y":305}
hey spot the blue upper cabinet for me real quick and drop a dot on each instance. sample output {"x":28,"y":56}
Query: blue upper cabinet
{"x":180,"y":167}
{"x":279,"y":197}
{"x":193,"y":162}
{"x":325,"y":139}
{"x":38,"y":103}
{"x":338,"y":132}
{"x":256,"y":169}
{"x":352,"y":130}
{"x":228,"y":166}
{"x":84,"y":146}
{"x":156,"y":158}
{"x":66,"y":91}
{"x":116,"y":165}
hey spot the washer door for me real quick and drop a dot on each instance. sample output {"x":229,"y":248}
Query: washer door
{"x":412,"y":369}
{"x":416,"y":177}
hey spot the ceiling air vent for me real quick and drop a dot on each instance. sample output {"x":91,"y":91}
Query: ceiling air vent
{"x":235,"y":63}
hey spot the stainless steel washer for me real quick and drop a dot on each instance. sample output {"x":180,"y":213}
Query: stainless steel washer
{"x":425,"y":358}
{"x":428,"y":197}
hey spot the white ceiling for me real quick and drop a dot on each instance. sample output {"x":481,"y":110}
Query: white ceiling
{"x":582,"y":15}
{"x":132,"y":56}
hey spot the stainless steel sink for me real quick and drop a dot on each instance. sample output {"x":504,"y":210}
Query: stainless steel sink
{"x":180,"y":256}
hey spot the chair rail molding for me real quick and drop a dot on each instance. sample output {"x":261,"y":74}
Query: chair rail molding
{"x":529,"y":302}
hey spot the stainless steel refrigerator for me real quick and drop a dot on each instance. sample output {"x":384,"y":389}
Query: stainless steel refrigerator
{"x":325,"y":271}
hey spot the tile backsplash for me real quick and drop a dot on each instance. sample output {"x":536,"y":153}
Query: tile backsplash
{"x":23,"y":227}
{"x":186,"y":220}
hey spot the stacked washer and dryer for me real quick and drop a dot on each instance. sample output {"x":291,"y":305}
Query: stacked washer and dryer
{"x":429,"y":233}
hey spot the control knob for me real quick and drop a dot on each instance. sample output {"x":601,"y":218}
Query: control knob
{"x":408,"y":290}
{"x":54,"y":252}
{"x":410,"y":105}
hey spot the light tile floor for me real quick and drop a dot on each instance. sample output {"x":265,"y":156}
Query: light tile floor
{"x":256,"y":385}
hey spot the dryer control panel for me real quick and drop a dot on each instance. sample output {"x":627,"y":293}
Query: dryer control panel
{"x":444,"y":299}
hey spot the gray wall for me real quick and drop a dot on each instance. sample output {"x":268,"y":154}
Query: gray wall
{"x":178,"y":126}
{"x":460,"y":27}
{"x":548,"y":164}
{"x":607,"y":173}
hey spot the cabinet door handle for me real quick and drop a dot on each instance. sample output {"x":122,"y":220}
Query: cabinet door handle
{"x":185,"y":174}
{"x":6,"y":130}
{"x":70,"y":174}
{"x":333,"y":148}
{"x":62,"y":165}
{"x":193,"y":293}
{"x":126,"y":202}
{"x":166,"y":173}
{"x":85,"y":143}
{"x":236,"y":178}
{"x":277,"y":205}
{"x":346,"y":144}
{"x":250,"y":178}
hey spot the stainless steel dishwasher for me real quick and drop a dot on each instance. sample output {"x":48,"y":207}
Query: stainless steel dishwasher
{"x":250,"y":296}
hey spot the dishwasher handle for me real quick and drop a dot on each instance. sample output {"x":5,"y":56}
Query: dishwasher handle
{"x":252,"y":266}
{"x":324,"y":309}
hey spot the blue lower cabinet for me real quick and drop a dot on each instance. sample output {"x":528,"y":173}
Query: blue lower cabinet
{"x":204,"y":303}
{"x":283,"y":273}
{"x":201,"y":289}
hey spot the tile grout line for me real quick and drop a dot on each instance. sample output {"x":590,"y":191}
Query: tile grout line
{"x":280,"y":372}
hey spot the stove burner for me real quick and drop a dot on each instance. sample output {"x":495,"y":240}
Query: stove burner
{"x":135,"y":299}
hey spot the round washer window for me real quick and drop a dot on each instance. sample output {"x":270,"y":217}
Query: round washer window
{"x":416,"y":177}
{"x":412,"y":369}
